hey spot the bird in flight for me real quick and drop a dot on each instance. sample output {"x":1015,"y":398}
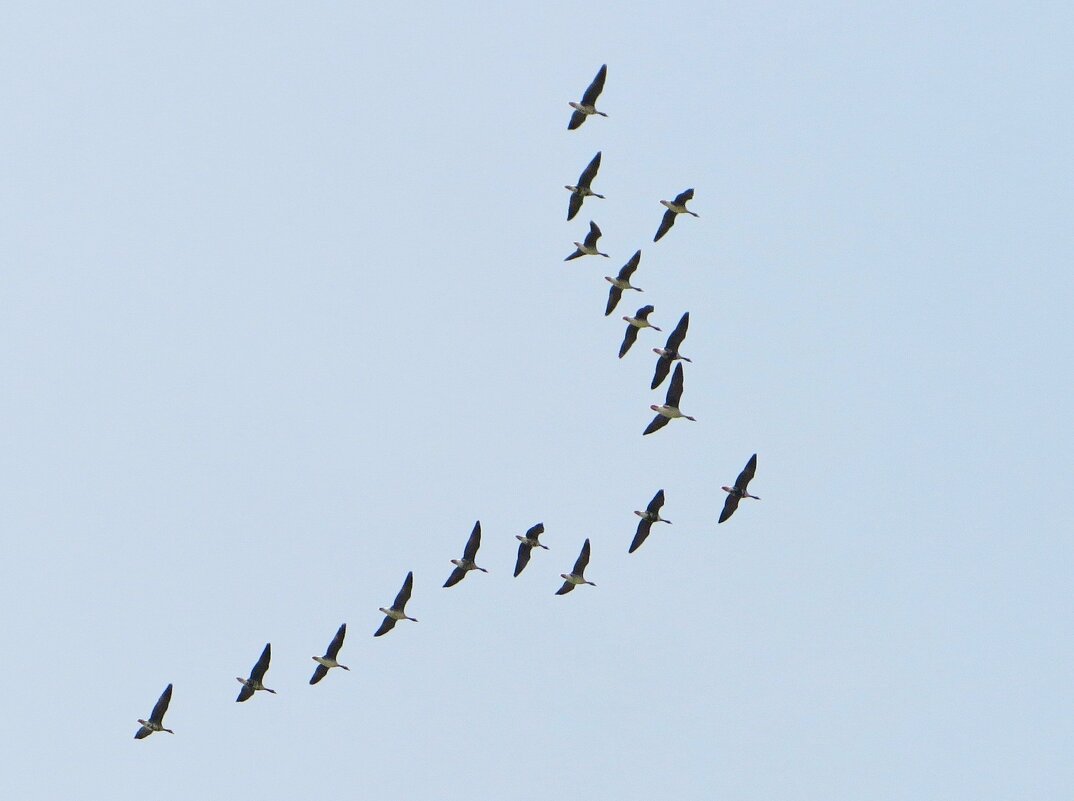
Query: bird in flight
{"x":588,"y":106}
{"x":670,"y":409}
{"x":469,"y":554}
{"x":648,"y":517}
{"x":670,"y":351}
{"x":257,"y":674}
{"x":589,"y":246}
{"x":621,"y":282}
{"x":397,"y":611}
{"x":576,"y":576}
{"x":738,"y":492}
{"x":156,"y":719}
{"x":580,"y":192}
{"x":634,"y":324}
{"x":527,"y":543}
{"x":674,"y":208}
{"x":328,"y":661}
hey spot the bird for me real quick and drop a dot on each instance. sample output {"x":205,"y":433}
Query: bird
{"x":674,"y":208}
{"x":527,"y":543}
{"x":670,"y":408}
{"x":257,"y":674}
{"x":648,"y":517}
{"x":638,"y":321}
{"x":621,"y":282}
{"x":396,"y":611}
{"x":576,"y":576}
{"x":589,"y":246}
{"x":324,"y":663}
{"x":738,"y":492}
{"x":670,"y":351}
{"x":588,"y":105}
{"x":580,"y":192}
{"x":469,"y":553}
{"x":156,"y":719}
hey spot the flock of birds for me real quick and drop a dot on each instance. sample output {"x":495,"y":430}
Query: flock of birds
{"x":666,"y":412}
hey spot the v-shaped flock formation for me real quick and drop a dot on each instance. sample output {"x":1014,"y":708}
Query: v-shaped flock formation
{"x":665,"y":412}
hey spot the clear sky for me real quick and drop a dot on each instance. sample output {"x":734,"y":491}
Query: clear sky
{"x":284,"y":311}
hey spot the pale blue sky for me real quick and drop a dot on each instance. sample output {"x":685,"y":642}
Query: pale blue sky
{"x":285,"y":310}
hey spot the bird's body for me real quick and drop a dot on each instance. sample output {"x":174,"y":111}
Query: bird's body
{"x":581,"y":190}
{"x":588,"y":106}
{"x":156,"y":718}
{"x":738,"y":492}
{"x":648,"y":517}
{"x":670,"y":409}
{"x":527,"y":543}
{"x":396,"y":611}
{"x":674,"y":208}
{"x":469,"y":554}
{"x":670,"y":352}
{"x":589,"y":246}
{"x":257,"y":674}
{"x":329,"y":660}
{"x":621,"y":282}
{"x":639,"y":321}
{"x":577,"y":575}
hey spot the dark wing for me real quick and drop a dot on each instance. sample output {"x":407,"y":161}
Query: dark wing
{"x":457,"y":575}
{"x":614,"y":294}
{"x":683,"y":196}
{"x":575,"y":255}
{"x":535,"y":531}
{"x":665,"y":225}
{"x":567,"y":587}
{"x":644,"y":526}
{"x":746,"y":475}
{"x":676,"y":337}
{"x":472,"y":544}
{"x":596,"y":87}
{"x":582,"y":560}
{"x":318,"y":674}
{"x":658,"y":422}
{"x":729,"y":506}
{"x":577,"y":118}
{"x":663,"y":367}
{"x":629,"y":339}
{"x":259,"y":669}
{"x":593,"y":235}
{"x":574,"y":204}
{"x":630,"y":267}
{"x":675,"y":390}
{"x":337,"y":642}
{"x":162,"y":705}
{"x":404,"y":593}
{"x":644,"y":312}
{"x":655,"y":503}
{"x":385,"y":627}
{"x":523,"y":557}
{"x":590,"y":172}
{"x":142,"y":732}
{"x":244,"y":694}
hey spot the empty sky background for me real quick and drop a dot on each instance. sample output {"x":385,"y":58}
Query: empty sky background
{"x":285,"y":310}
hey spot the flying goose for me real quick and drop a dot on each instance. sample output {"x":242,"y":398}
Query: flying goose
{"x":469,"y":553}
{"x":527,"y":543}
{"x":648,"y":517}
{"x":738,"y":492}
{"x":588,"y":105}
{"x":670,"y":408}
{"x":621,"y":282}
{"x":328,"y":661}
{"x":638,"y":321}
{"x":589,"y":247}
{"x":396,"y":611}
{"x":257,"y":673}
{"x":670,"y":351}
{"x":580,"y":192}
{"x":156,"y":720}
{"x":576,"y":576}
{"x":674,"y":208}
